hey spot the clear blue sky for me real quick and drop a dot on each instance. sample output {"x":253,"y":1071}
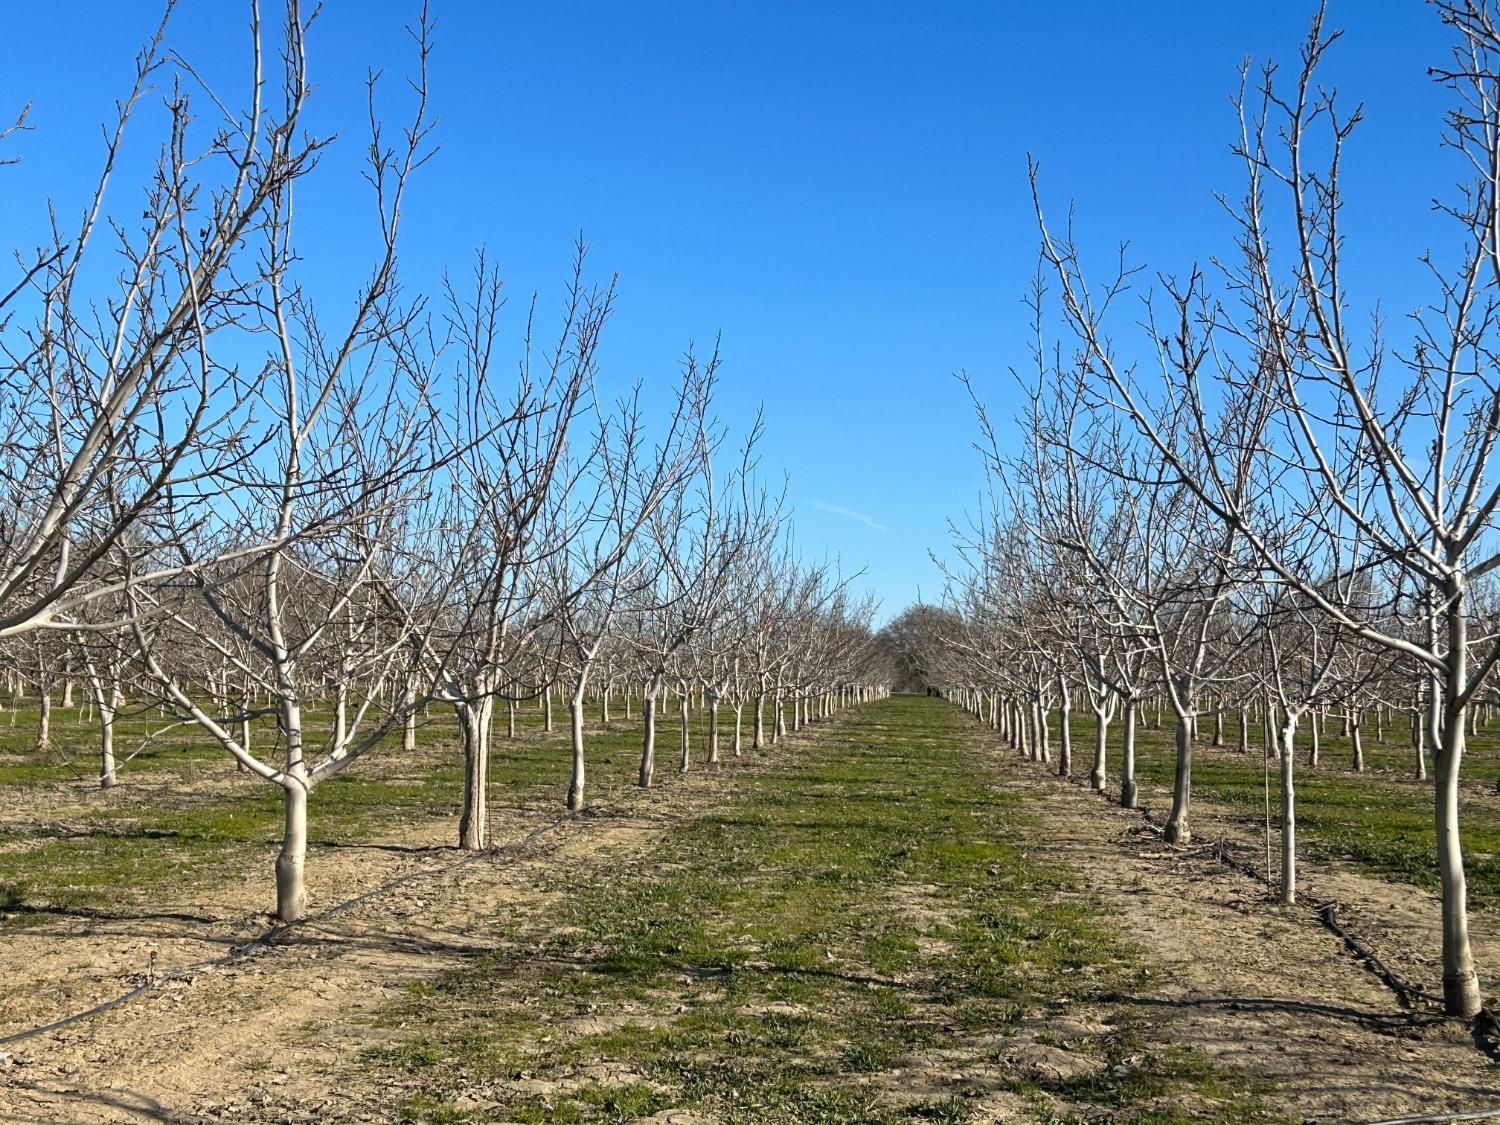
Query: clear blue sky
{"x":837,"y":188}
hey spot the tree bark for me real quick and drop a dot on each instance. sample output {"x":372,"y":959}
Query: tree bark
{"x":575,"y":731}
{"x":1127,"y":759}
{"x":1098,"y":776}
{"x":1288,"y":812}
{"x":713,"y":730}
{"x":1460,"y":983}
{"x":291,"y":860}
{"x":1177,"y":830}
{"x":107,"y":744}
{"x":44,"y":722}
{"x":474,"y":730}
{"x":1064,"y":734}
{"x":648,"y":736}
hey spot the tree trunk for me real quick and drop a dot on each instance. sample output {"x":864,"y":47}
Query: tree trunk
{"x":713,"y":730}
{"x":44,"y":722}
{"x":107,"y":743}
{"x":291,"y":860}
{"x":1288,"y":812}
{"x":1460,"y":983}
{"x":1177,"y":830}
{"x":409,"y":718}
{"x":682,"y":713}
{"x":474,"y":730}
{"x":575,"y":731}
{"x":1356,"y":745}
{"x":1419,"y":743}
{"x":1064,"y":735}
{"x":340,"y":717}
{"x":739,"y":711}
{"x":1098,"y":776}
{"x":1127,"y":759}
{"x":648,"y":737}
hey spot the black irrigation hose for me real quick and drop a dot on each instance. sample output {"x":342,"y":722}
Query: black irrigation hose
{"x":275,"y":933}
{"x":278,"y":931}
{"x":1326,"y":914}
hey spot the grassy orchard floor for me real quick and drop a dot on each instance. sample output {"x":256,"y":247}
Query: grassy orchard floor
{"x":183,"y":816}
{"x":1380,"y":819}
{"x":856,"y":922}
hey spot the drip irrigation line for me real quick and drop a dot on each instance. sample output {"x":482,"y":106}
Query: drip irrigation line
{"x":1327,"y":915}
{"x":274,"y":935}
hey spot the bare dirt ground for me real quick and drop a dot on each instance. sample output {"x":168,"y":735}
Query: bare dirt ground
{"x":1267,"y":990}
{"x":1262,"y":990}
{"x":227,"y":1042}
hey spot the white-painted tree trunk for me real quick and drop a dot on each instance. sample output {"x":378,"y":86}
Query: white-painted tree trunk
{"x":1461,"y":995}
{"x":1177,"y":830}
{"x":1288,"y":810}
{"x":648,"y":736}
{"x":107,"y":710}
{"x":1128,"y":796}
{"x":1419,"y":744}
{"x":1064,"y":733}
{"x":1099,"y":775}
{"x":291,"y":860}
{"x":474,"y":732}
{"x":575,"y":733}
{"x":44,"y":722}
{"x":713,"y":728}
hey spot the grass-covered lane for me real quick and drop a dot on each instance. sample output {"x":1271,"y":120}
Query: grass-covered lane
{"x":862,"y":930}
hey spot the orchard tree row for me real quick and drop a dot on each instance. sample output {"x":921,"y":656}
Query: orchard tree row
{"x":1241,"y":487}
{"x":235,"y":492}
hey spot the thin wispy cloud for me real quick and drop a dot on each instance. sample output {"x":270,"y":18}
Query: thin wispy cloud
{"x":848,"y":514}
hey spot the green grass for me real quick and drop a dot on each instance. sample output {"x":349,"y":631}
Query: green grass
{"x":132,"y":847}
{"x":1380,"y":819}
{"x":863,"y":904}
